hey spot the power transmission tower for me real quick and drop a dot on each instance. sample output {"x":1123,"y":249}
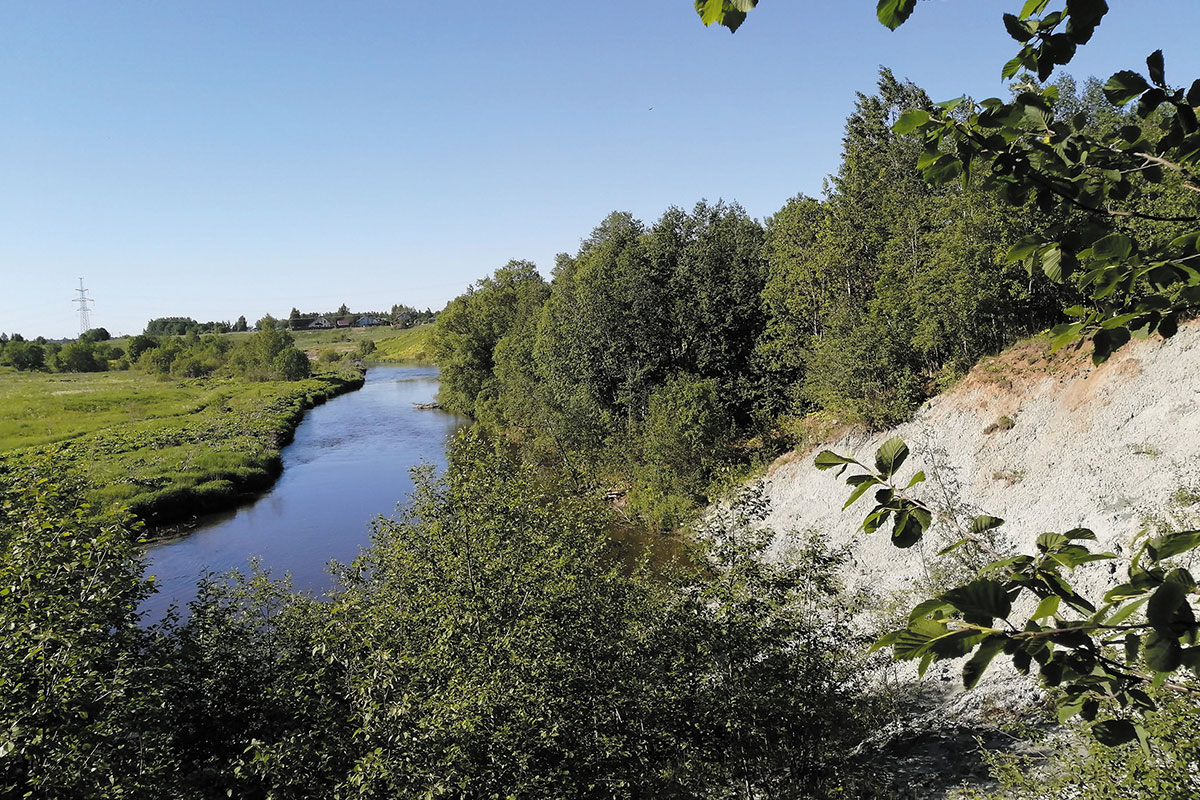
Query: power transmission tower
{"x":85,"y":320}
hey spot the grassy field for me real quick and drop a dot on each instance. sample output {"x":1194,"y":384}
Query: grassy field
{"x":164,"y":449}
{"x":410,"y":346}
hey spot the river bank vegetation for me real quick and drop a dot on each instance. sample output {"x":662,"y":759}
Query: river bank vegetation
{"x":489,"y":645}
{"x":485,"y":645}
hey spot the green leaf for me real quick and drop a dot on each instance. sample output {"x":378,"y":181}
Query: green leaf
{"x":927,"y":608}
{"x":1155,"y":64}
{"x":1161,"y":652}
{"x":1114,"y":247}
{"x":876,"y":520}
{"x":827,"y":459}
{"x":907,"y":530}
{"x":943,"y":170}
{"x":1187,"y":243}
{"x":1012,"y":67}
{"x":1114,"y":732}
{"x":1108,"y":341}
{"x":950,"y":548}
{"x":1172,"y":544}
{"x":710,"y":11}
{"x":912,"y":641}
{"x":1166,"y":601}
{"x":893,"y":13}
{"x":1048,"y":542}
{"x":1018,"y":29}
{"x":1057,"y":264}
{"x":1032,"y":7}
{"x":1061,"y":588}
{"x":985,"y":523}
{"x":887,"y":640}
{"x":1023,"y":248}
{"x":730,"y":13}
{"x":918,"y":478}
{"x":980,"y":601}
{"x":890,"y":456}
{"x":1127,"y":611}
{"x":909,"y":121}
{"x":974,"y":668}
{"x":1047,"y":608}
{"x":865,"y":483}
{"x":1124,"y":86}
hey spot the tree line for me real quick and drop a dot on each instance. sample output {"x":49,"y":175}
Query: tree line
{"x":658,"y":356}
{"x":267,"y":354}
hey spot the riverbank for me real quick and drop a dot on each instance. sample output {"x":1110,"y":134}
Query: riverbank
{"x":167,"y":451}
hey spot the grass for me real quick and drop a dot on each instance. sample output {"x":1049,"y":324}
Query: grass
{"x":409,"y":346}
{"x":165,"y":450}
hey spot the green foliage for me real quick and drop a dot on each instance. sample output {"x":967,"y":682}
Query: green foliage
{"x":95,"y":335}
{"x":178,"y":326}
{"x":1103,"y":653}
{"x":686,"y":434}
{"x":488,"y":645}
{"x":24,"y":356}
{"x":1133,"y":183}
{"x":471,"y":327}
{"x":1074,"y":764}
{"x":80,"y":714}
{"x":268,"y":354}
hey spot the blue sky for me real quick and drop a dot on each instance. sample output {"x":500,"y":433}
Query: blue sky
{"x":210,"y":158}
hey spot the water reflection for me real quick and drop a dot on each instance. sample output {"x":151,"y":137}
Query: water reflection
{"x":349,"y":463}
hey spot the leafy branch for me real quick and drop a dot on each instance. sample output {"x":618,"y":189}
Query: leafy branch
{"x":1066,"y":635}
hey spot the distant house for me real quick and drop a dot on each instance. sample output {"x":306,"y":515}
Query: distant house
{"x":343,"y":323}
{"x":367,"y":322}
{"x":320,"y":322}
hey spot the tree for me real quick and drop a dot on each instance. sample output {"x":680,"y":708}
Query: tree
{"x":95,"y":335}
{"x":77,"y":679}
{"x":1129,"y":263}
{"x":77,"y":357}
{"x":24,"y":355}
{"x":472,"y":325}
{"x":240,"y":326}
{"x":291,"y":364}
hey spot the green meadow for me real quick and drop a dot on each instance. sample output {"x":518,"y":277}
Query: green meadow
{"x":410,"y":346}
{"x":164,"y":449}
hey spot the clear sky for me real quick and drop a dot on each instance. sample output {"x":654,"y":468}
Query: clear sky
{"x":210,"y":158}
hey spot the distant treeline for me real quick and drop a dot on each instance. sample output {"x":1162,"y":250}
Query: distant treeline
{"x":400,"y":316}
{"x":92,"y":352}
{"x":268,"y":354}
{"x":177,"y":326}
{"x":660,"y":355}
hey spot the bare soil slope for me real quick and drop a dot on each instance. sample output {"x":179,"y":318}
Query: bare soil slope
{"x":1046,"y":442}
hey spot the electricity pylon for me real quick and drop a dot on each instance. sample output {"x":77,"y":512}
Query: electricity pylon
{"x":85,"y":320}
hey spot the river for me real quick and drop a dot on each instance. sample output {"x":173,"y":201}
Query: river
{"x":349,"y":463}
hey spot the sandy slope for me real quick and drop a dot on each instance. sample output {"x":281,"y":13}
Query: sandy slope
{"x":1047,"y":443}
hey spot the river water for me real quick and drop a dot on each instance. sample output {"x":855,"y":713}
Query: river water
{"x":349,"y":463}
